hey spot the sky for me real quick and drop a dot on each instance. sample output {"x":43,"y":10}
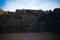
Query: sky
{"x":12,"y":5}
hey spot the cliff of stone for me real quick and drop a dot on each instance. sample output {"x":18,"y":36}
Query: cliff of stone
{"x":30,"y":21}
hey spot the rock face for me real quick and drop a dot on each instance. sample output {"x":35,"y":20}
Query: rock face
{"x":30,"y":21}
{"x":56,"y":21}
{"x":18,"y":22}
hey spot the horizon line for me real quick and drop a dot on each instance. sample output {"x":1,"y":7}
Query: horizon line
{"x":28,"y":9}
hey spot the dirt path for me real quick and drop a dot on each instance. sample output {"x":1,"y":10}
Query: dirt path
{"x":30,"y":36}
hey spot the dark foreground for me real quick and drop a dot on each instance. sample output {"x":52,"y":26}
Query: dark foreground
{"x":30,"y":36}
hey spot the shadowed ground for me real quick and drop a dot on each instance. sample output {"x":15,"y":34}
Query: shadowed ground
{"x":30,"y":36}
